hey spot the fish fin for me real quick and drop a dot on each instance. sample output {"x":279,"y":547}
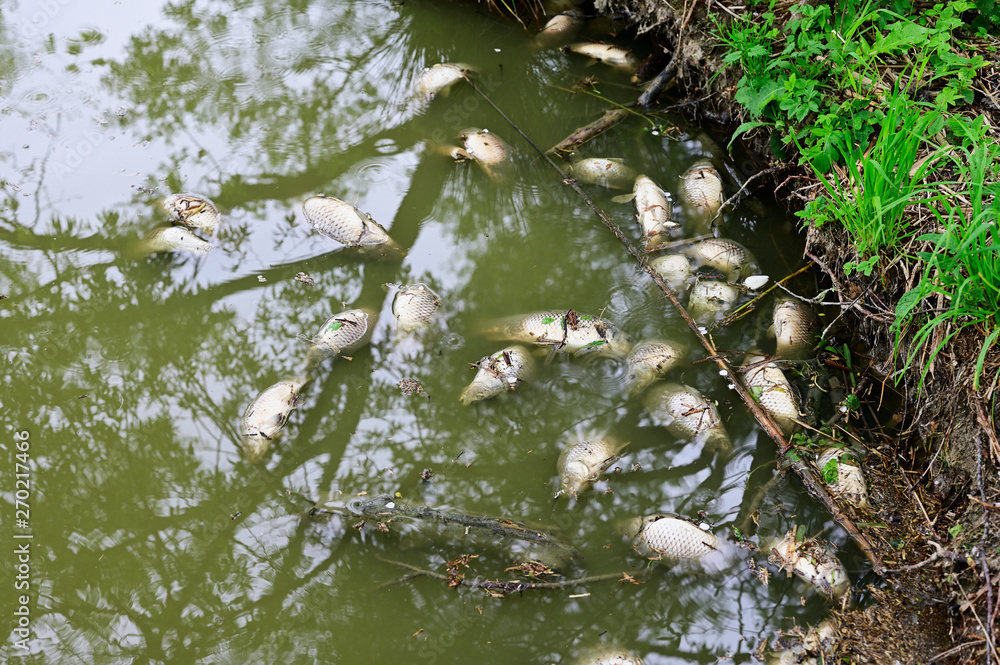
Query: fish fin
{"x":623,"y":198}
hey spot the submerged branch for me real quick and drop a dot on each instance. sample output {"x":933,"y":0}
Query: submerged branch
{"x":803,"y":470}
{"x":583,"y":134}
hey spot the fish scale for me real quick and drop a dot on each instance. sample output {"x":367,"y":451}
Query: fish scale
{"x":811,"y":560}
{"x":581,"y":462}
{"x":439,"y":78}
{"x":341,"y":333}
{"x":192,"y":210}
{"x":794,"y":324}
{"x":343,"y":222}
{"x":686,"y":413}
{"x":777,"y":396}
{"x":731,"y":258}
{"x":414,"y":305}
{"x":664,"y":536}
{"x":701,"y":188}
{"x":709,"y":298}
{"x":654,"y":210}
{"x":566,"y":331}
{"x":647,"y":361}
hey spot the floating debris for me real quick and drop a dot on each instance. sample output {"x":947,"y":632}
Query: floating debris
{"x":304,"y":278}
{"x":410,"y":387}
{"x":503,"y":371}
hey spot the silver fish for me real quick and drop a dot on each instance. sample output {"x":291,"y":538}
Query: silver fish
{"x":582,"y":462}
{"x":607,"y":172}
{"x":414,"y":305}
{"x":655,"y":212}
{"x":664,"y":537}
{"x":486,"y":149}
{"x":687,"y":414}
{"x":504,"y":370}
{"x":607,"y":53}
{"x":701,"y":189}
{"x":729,"y":257}
{"x":174,"y":238}
{"x":675,"y":269}
{"x":850,"y":484}
{"x":342,"y":333}
{"x":649,"y":361}
{"x":794,"y":328}
{"x":773,"y":391}
{"x":710,"y":298}
{"x":812,"y":561}
{"x":192,"y":210}
{"x":566,"y":332}
{"x":609,"y":655}
{"x":266,"y":415}
{"x":439,"y":78}
{"x":559,"y":29}
{"x":344,"y":223}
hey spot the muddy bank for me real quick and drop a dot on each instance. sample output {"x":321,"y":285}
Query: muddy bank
{"x":932,"y":449}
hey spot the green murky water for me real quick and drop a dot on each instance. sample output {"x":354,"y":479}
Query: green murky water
{"x":149,"y":538}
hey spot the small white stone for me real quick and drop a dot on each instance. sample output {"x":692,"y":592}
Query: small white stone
{"x":391,"y":504}
{"x":723,"y":372}
{"x":261,"y":278}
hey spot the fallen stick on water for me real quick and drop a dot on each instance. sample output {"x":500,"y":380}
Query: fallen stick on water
{"x":583,"y":134}
{"x":804,"y":471}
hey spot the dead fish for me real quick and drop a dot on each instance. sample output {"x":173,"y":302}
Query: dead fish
{"x":486,"y":149}
{"x":609,"y":54}
{"x":701,"y":189}
{"x":439,"y":78}
{"x":346,"y":224}
{"x":565,"y":332}
{"x":582,"y":462}
{"x":816,"y":645}
{"x":850,"y":484}
{"x":772,"y":390}
{"x":609,"y":655}
{"x":649,"y":361}
{"x":414,"y":305}
{"x":654,"y":211}
{"x":727,"y":256}
{"x":664,"y":537}
{"x":687,"y":414}
{"x":174,"y":238}
{"x":266,"y":415}
{"x":342,"y":333}
{"x":674,"y":269}
{"x":504,"y":370}
{"x":192,"y":210}
{"x":603,"y":171}
{"x":794,"y":328}
{"x":811,"y":560}
{"x":559,"y":29}
{"x":710,"y":299}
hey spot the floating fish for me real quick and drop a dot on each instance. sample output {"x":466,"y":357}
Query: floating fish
{"x":794,"y":328}
{"x":649,"y":361}
{"x":504,"y":370}
{"x":811,"y":560}
{"x":850,"y":484}
{"x":701,"y":190}
{"x":266,"y":415}
{"x":346,"y":224}
{"x":559,"y":29}
{"x":664,"y":537}
{"x":609,"y":54}
{"x":603,"y":171}
{"x":439,"y":78}
{"x":675,"y":269}
{"x":729,"y":257}
{"x":414,"y":305}
{"x":173,"y":238}
{"x":772,"y":390}
{"x":654,"y":211}
{"x":192,"y":210}
{"x":582,"y":462}
{"x":710,"y":299}
{"x":342,"y":333}
{"x":565,"y":332}
{"x":486,"y":149}
{"x":687,"y":414}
